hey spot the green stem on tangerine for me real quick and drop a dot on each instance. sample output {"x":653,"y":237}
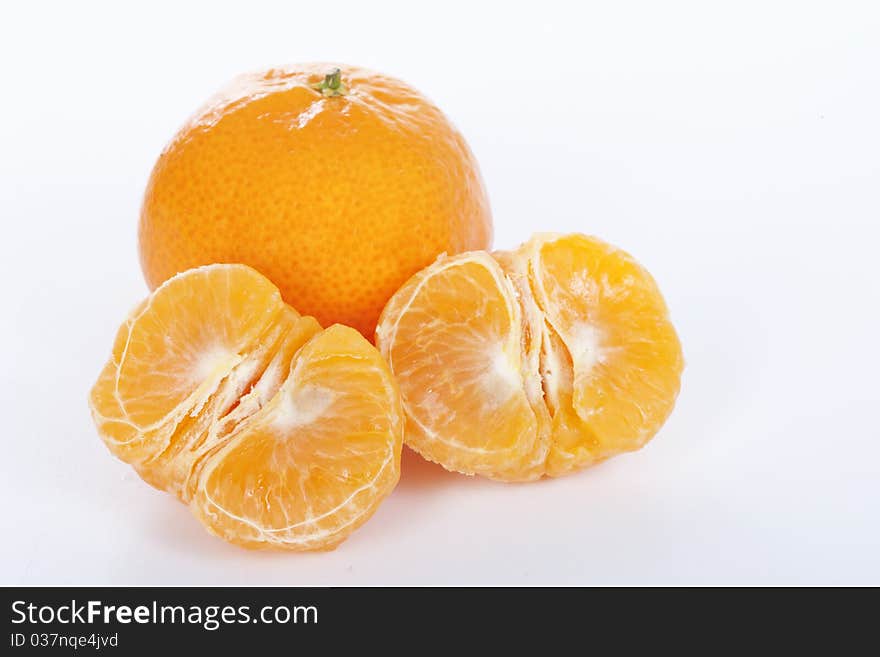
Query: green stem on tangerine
{"x":332,"y":84}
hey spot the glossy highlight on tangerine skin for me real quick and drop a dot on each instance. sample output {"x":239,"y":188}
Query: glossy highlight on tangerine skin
{"x":336,"y":182}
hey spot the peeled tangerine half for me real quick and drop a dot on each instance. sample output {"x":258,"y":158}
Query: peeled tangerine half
{"x":538,"y":361}
{"x":276,"y":433}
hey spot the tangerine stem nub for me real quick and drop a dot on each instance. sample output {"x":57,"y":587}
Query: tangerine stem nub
{"x":332,"y":84}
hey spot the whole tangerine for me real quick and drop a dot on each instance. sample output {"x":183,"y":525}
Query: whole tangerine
{"x":335,"y":182}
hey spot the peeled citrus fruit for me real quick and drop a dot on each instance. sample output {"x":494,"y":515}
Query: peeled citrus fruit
{"x":338,"y":184}
{"x":277,"y":433}
{"x":537,"y":361}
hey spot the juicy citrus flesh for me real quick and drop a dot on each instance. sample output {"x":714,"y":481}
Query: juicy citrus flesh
{"x":537,"y":361}
{"x":277,"y":433}
{"x":338,"y":200}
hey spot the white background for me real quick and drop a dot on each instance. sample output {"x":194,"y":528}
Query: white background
{"x":734,"y":148}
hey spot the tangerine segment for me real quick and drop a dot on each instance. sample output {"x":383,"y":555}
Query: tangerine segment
{"x":314,"y":464}
{"x":261,"y":393}
{"x":541,"y":360}
{"x":453,"y":336}
{"x":106,"y":409}
{"x":612,"y":321}
{"x":203,"y":364}
{"x":174,"y":351}
{"x":574,"y":445}
{"x":250,"y":385}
